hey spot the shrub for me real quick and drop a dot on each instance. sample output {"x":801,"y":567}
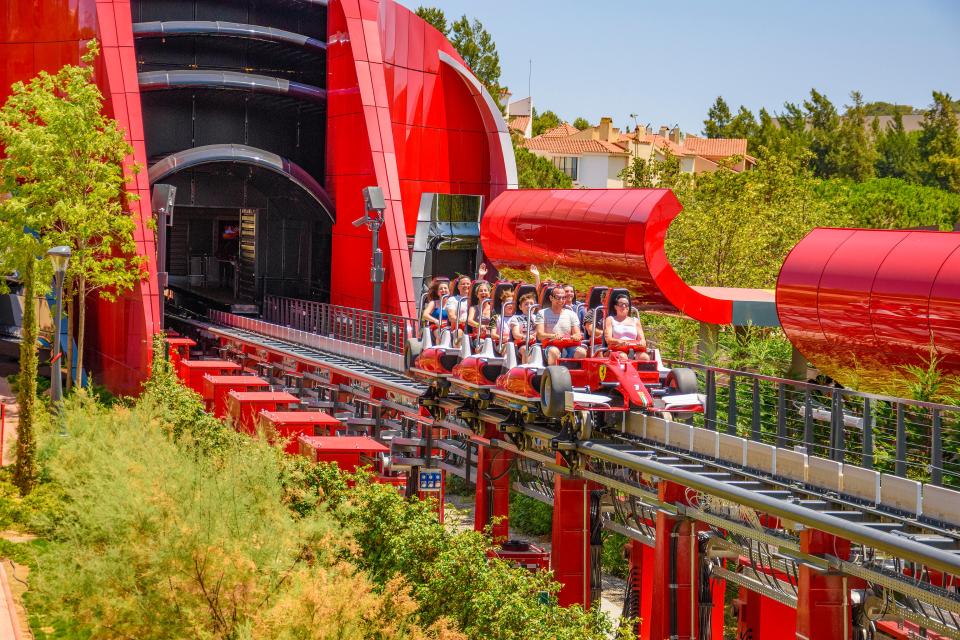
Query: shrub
{"x":530,"y":516}
{"x":158,"y":544}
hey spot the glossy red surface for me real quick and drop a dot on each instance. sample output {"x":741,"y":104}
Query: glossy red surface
{"x":399,"y":118}
{"x":216,"y":388}
{"x":860,"y":302}
{"x":44,"y":36}
{"x":614,"y":236}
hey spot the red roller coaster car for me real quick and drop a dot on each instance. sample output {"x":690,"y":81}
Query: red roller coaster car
{"x":599,"y":386}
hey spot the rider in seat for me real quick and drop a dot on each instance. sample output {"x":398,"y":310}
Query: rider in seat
{"x":434,"y":314}
{"x":623,"y":331}
{"x":556,"y":322}
{"x":519,"y":326}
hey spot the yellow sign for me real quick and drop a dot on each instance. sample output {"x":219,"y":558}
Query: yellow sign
{"x":603,"y":372}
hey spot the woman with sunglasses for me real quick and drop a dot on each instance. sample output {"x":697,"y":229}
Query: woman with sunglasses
{"x":621,"y":329}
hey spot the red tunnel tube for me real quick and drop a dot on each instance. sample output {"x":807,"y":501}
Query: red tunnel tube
{"x":861,"y":302}
{"x":613,"y":236}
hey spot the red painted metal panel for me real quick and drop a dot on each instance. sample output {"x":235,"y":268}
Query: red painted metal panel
{"x":613,"y":236}
{"x":944,"y":311}
{"x":860,"y":302}
{"x":46,"y":35}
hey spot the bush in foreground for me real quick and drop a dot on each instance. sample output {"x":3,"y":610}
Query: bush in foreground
{"x":157,"y":543}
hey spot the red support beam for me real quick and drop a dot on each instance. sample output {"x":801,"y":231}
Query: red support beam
{"x":762,"y":618}
{"x":492,"y":504}
{"x":675,"y":565}
{"x":570,"y":558}
{"x":823,"y":597}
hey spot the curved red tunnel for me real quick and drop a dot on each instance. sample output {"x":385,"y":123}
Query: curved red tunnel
{"x":861,"y":302}
{"x":609,"y":234}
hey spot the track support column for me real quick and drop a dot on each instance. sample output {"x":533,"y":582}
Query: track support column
{"x":674,"y":607}
{"x":761,"y":617}
{"x":823,"y":597}
{"x":570,"y":555}
{"x":492,"y":502}
{"x":640,"y":586}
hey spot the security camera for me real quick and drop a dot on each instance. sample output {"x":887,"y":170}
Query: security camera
{"x":359,"y":222}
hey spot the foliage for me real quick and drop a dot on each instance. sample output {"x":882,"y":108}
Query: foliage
{"x":939,"y":144}
{"x":655,"y":173}
{"x":451,"y":574}
{"x":477,"y":48}
{"x":898,"y":155}
{"x":434,"y":17}
{"x":927,"y":383}
{"x":855,"y":155}
{"x":881,"y":108}
{"x":890,"y":203}
{"x":529,"y":516}
{"x":612,"y":558}
{"x":196,"y":546}
{"x":457,"y":486}
{"x":64,"y":168}
{"x":37,"y":512}
{"x":544,"y":122}
{"x":718,"y":119}
{"x":537,"y":172}
{"x":737,"y":228}
{"x":581,"y":123}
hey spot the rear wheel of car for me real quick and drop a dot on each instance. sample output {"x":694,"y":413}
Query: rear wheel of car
{"x":411,"y":352}
{"x":682,"y":381}
{"x":553,"y":389}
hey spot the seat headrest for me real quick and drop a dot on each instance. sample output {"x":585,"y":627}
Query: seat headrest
{"x":510,"y":356}
{"x":486,"y":349}
{"x":498,"y":290}
{"x":465,"y":347}
{"x":446,"y":339}
{"x":612,"y":296}
{"x":595,"y":297}
{"x":535,"y":357}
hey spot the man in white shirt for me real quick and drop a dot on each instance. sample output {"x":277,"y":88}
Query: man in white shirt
{"x":556,"y":322}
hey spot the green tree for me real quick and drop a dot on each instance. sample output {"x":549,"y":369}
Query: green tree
{"x":67,"y":160}
{"x":854,"y":152}
{"x":886,"y":109}
{"x":939,"y":144}
{"x":742,"y":125}
{"x":475,"y":45}
{"x":736,"y":228}
{"x":536,"y":172}
{"x":655,"y":173}
{"x":544,"y":121}
{"x":824,"y":125}
{"x":581,"y":123}
{"x":897,"y":152}
{"x":435,"y":17}
{"x":718,"y":119}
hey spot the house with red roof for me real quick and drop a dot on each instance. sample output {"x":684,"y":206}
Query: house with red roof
{"x":595,"y":157}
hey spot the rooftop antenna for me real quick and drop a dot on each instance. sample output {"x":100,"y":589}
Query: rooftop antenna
{"x":530,"y":81}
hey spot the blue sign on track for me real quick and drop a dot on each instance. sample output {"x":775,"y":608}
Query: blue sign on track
{"x":429,"y":480}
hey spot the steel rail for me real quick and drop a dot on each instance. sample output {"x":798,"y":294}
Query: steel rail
{"x":896,"y":545}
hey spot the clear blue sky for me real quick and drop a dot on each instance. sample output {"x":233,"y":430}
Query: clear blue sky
{"x":668,"y":61}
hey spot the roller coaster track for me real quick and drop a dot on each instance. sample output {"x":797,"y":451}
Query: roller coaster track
{"x":910,"y":564}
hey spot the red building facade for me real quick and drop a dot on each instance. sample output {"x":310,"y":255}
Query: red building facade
{"x":396,"y":108}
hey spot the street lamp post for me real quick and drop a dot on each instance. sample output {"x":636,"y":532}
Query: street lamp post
{"x":60,"y":258}
{"x":373,"y":220}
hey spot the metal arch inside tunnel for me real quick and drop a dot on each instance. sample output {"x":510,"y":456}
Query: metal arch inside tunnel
{"x":243,"y":154}
{"x":241,"y":230}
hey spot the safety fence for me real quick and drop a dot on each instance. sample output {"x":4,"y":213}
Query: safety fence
{"x":359,"y":326}
{"x":908,"y":438}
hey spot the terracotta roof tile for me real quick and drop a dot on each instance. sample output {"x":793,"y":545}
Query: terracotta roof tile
{"x":519,"y":123}
{"x":715,"y":147}
{"x":572,"y":147}
{"x":564,"y":130}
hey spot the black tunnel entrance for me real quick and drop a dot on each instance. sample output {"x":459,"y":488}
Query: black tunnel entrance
{"x":234,"y":108}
